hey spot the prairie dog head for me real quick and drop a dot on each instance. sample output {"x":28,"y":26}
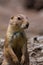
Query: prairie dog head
{"x":19,"y":22}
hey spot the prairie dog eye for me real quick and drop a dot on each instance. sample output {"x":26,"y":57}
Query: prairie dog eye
{"x":12,"y":17}
{"x":19,"y":18}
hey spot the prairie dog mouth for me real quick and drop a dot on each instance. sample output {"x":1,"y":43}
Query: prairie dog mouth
{"x":25,"y":26}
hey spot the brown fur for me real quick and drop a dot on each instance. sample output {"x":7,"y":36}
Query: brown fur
{"x":15,"y":48}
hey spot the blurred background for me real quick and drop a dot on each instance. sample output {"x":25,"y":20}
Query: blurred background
{"x":31,"y":8}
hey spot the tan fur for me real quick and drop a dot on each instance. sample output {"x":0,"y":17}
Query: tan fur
{"x":15,"y":48}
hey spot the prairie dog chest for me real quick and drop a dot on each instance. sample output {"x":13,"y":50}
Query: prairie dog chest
{"x":18,"y":40}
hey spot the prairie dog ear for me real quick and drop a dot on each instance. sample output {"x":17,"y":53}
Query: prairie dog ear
{"x":11,"y":20}
{"x":12,"y":17}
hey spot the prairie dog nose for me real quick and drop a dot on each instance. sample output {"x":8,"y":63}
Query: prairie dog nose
{"x":27,"y":25}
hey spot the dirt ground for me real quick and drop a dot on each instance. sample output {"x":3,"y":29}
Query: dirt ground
{"x":14,"y":7}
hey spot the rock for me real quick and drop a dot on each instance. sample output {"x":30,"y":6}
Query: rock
{"x":1,"y":50}
{"x":35,"y":50}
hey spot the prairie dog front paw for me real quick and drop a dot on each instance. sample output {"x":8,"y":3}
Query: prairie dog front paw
{"x":22,"y":59}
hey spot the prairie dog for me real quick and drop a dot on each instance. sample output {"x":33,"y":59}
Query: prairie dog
{"x":15,"y":41}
